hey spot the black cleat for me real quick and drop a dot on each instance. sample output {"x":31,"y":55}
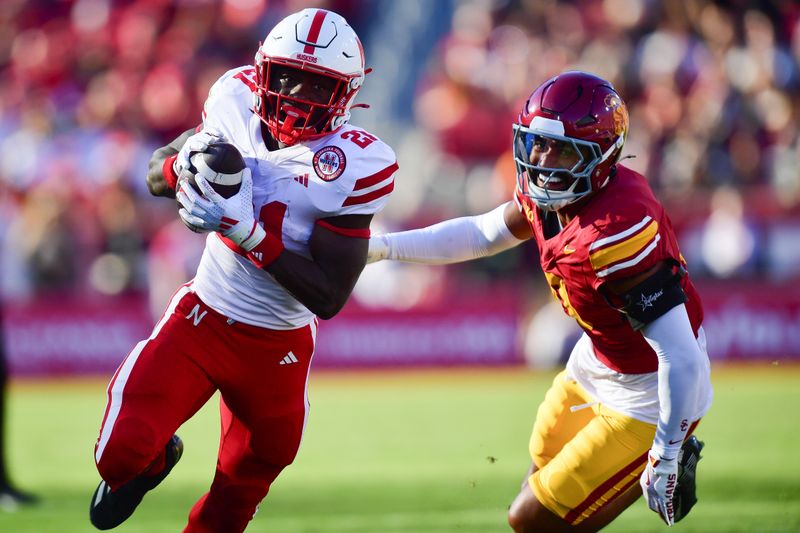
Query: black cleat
{"x":686,"y":491}
{"x":110,"y":509}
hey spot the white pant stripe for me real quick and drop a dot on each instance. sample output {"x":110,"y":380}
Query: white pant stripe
{"x":118,"y":384}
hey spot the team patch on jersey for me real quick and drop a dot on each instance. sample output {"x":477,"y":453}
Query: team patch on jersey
{"x":329,"y":163}
{"x":625,"y":249}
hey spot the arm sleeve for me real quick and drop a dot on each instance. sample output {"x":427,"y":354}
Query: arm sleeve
{"x":679,"y":360}
{"x":452,"y":241}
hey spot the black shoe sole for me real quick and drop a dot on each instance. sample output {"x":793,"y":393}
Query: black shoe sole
{"x":108,"y":510}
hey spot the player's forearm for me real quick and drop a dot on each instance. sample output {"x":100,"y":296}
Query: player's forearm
{"x":451,"y":241}
{"x":310,"y":284}
{"x":157,"y":184}
{"x":679,"y":360}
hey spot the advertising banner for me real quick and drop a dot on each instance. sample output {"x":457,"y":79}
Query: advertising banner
{"x":66,"y":336}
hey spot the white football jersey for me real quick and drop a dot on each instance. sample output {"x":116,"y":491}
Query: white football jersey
{"x":347,"y":172}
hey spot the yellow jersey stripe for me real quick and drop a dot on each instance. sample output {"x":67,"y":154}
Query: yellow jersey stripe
{"x":632,"y":262}
{"x":621,"y":235}
{"x":624,"y":249}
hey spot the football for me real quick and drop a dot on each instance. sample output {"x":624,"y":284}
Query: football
{"x":221,"y":165}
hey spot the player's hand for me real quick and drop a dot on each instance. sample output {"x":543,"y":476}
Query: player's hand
{"x":196,"y":143}
{"x":236,"y":219}
{"x":197,"y":213}
{"x":658,"y":481}
{"x":378,"y":248}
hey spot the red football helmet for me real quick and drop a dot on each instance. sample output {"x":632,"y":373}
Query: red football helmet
{"x":567,"y":139}
{"x":319,"y":47}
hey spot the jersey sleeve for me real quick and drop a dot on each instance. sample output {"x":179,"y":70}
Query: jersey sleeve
{"x":369,"y":180}
{"x":628,"y":246}
{"x":225,"y":99}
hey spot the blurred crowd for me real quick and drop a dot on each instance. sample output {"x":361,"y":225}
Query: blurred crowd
{"x":88,"y":88}
{"x":713,"y":90}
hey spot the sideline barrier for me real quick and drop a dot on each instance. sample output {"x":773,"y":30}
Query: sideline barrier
{"x":63,"y":336}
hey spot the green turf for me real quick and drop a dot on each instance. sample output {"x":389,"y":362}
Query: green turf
{"x":410,"y":452}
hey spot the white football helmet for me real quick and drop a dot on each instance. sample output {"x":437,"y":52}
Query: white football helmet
{"x":314,"y":41}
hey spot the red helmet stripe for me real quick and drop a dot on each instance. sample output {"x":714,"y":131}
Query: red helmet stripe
{"x":313,"y":32}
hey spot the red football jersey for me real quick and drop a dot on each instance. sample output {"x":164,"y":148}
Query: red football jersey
{"x":620,"y":232}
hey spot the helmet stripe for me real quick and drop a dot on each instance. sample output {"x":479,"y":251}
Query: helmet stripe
{"x":313,"y":32}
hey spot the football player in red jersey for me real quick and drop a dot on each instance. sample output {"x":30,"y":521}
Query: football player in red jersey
{"x":617,"y":422}
{"x":285,"y":250}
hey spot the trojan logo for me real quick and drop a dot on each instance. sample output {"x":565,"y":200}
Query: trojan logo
{"x":620,"y":113}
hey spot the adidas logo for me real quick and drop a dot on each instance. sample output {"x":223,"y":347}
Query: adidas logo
{"x":288,"y":359}
{"x":302,"y":180}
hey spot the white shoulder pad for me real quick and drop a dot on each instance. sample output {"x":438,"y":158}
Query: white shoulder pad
{"x":360,"y":165}
{"x":228,"y":107}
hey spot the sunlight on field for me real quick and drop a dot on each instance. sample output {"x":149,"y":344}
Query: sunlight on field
{"x":409,"y":451}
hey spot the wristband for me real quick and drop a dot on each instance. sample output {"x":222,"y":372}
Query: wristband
{"x":169,"y":171}
{"x":266,"y":251}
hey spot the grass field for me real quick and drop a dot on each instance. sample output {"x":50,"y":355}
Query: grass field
{"x":402,"y":451}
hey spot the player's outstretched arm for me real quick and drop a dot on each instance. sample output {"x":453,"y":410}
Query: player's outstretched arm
{"x":156,"y":183}
{"x":455,"y":240}
{"x":324,"y":283}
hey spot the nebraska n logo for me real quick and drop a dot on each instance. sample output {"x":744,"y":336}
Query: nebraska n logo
{"x":302,"y":180}
{"x":196,"y":315}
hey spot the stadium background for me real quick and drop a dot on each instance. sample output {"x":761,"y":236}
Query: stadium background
{"x":88,"y":88}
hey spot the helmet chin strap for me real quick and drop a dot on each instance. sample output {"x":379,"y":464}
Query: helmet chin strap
{"x":617,"y":144}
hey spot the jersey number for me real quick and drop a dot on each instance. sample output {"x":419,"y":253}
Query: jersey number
{"x":560,"y":292}
{"x":271,"y":216}
{"x":360,"y":137}
{"x":248,"y":77}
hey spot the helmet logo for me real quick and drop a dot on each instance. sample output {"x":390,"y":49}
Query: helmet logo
{"x":329,"y":163}
{"x":619,"y":113}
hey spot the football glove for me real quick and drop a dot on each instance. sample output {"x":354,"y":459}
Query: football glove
{"x":197,"y":213}
{"x":235,"y":217}
{"x":670,"y":485}
{"x":658,"y":481}
{"x":196,"y":143}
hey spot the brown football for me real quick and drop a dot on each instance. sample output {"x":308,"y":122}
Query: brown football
{"x":221,"y":165}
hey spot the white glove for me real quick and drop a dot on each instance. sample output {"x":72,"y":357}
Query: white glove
{"x":378,"y":248}
{"x":232,"y":217}
{"x":196,"y":143}
{"x":197,"y":213}
{"x":658,"y":481}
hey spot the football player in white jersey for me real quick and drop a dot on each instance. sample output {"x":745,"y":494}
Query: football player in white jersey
{"x":286,"y":249}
